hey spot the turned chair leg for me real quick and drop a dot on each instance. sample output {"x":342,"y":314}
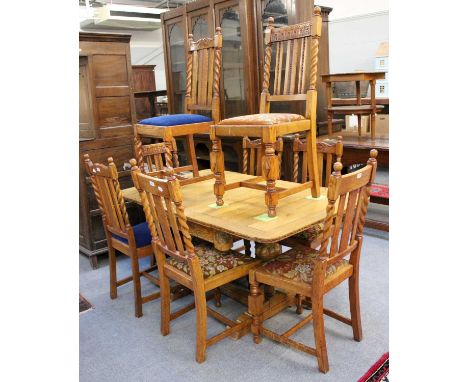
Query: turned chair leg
{"x":136,"y":285}
{"x":217,"y":167}
{"x":319,"y":334}
{"x":200,"y":306}
{"x":256,"y":309}
{"x":270,"y":169}
{"x":217,"y":297}
{"x":165,"y":290}
{"x":354,"y":306}
{"x":112,"y":273}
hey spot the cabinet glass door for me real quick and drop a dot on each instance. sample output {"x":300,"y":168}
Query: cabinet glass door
{"x":200,"y":27}
{"x":233,"y":63}
{"x":178,"y":68}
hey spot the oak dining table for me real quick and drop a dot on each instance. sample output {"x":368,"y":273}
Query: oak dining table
{"x":243,"y":217}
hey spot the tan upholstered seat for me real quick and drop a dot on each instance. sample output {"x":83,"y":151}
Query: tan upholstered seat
{"x":262,"y":119}
{"x":297,"y":264}
{"x":311,"y":233}
{"x":213,"y":261}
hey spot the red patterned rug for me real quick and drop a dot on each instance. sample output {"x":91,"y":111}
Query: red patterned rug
{"x":380,"y":190}
{"x":378,"y":372}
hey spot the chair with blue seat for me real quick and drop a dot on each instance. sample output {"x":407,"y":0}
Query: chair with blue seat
{"x":202,"y":94}
{"x":133,"y":241}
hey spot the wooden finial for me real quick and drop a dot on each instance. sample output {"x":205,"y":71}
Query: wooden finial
{"x":317,"y":11}
{"x":110,"y":160}
{"x":133,"y":163}
{"x":270,"y":20}
{"x":190,"y":36}
{"x":218,"y":29}
{"x":374,"y":153}
{"x":337,"y":167}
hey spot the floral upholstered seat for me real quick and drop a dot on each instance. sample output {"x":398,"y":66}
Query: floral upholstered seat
{"x":298,"y":264}
{"x":213,"y":261}
{"x":311,"y":233}
{"x":262,"y":119}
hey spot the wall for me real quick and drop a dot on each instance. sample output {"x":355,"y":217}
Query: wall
{"x":354,"y":41}
{"x":146,"y":48}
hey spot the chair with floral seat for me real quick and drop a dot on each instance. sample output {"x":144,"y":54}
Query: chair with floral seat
{"x":202,"y":95}
{"x":329,"y":151}
{"x":297,"y":56}
{"x":312,"y":273}
{"x":200,"y":268}
{"x":133,"y":241}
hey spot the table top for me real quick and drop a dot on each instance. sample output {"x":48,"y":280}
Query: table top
{"x":243,"y":214}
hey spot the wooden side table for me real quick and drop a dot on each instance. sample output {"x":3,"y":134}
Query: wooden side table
{"x":359,"y":108}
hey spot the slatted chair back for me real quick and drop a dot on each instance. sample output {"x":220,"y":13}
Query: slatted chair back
{"x":253,"y":152}
{"x":203,"y":74}
{"x":352,"y":193}
{"x":105,"y":183}
{"x":153,"y":157}
{"x":295,"y":64}
{"x":329,"y":151}
{"x":162,"y":203}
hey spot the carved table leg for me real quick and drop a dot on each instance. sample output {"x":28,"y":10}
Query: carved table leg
{"x":217,"y":167}
{"x":270,"y":167}
{"x":222,"y":241}
{"x":267,"y":251}
{"x":175,"y":154}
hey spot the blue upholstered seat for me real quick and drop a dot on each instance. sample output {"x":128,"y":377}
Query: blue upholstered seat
{"x":175,"y":119}
{"x":142,"y":235}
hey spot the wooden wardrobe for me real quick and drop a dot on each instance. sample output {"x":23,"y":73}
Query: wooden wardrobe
{"x":107,"y":114}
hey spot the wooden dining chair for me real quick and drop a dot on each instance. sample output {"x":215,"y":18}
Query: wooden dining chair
{"x":299,"y":44}
{"x":308,"y":272}
{"x":133,"y":241}
{"x":202,"y":95}
{"x":329,"y":151}
{"x":199,"y":267}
